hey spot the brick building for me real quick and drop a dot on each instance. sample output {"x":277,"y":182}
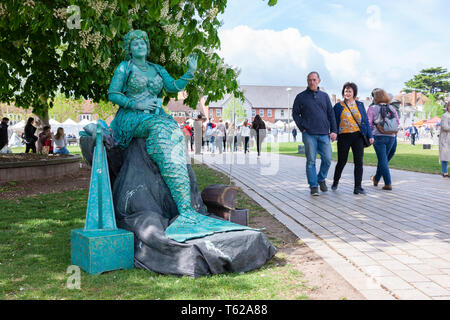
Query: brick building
{"x":272,"y":103}
{"x":180,"y":112}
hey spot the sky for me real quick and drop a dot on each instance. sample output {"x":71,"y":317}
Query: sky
{"x":378,"y":43}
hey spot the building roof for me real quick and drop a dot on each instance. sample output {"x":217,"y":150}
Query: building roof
{"x":408,"y":99}
{"x":179,"y":106}
{"x":264,"y":96}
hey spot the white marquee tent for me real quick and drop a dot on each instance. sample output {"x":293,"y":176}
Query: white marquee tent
{"x":279,"y":124}
{"x":19,"y":125}
{"x":69,"y":126}
{"x":54,"y":124}
{"x":14,"y":141}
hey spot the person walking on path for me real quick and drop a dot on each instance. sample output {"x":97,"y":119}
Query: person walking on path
{"x":212,"y":137}
{"x":4,"y":132}
{"x":379,"y":113}
{"x":413,"y":133}
{"x":352,"y":123}
{"x":198,"y":134}
{"x":220,"y":135}
{"x":230,"y":138}
{"x":30,"y":136}
{"x":315,"y":118}
{"x":225,"y":137}
{"x":274,"y":132}
{"x":444,"y":142}
{"x":260,"y":132}
{"x":245,"y":134}
{"x":237,"y":139}
{"x":187,"y":135}
{"x":294,"y":134}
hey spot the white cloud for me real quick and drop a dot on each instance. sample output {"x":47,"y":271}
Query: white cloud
{"x":285,"y":58}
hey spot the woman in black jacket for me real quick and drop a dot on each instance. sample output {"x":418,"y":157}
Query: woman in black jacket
{"x":30,"y":138}
{"x":260,"y":131}
{"x":352,"y":123}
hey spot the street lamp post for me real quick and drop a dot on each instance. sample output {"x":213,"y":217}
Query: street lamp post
{"x":289,"y":113}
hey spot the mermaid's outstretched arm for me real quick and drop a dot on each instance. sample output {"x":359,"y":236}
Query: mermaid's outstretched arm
{"x":172,"y":85}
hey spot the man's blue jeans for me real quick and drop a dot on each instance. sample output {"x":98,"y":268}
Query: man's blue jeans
{"x":383,"y":148}
{"x":317,"y":144}
{"x":444,"y":166}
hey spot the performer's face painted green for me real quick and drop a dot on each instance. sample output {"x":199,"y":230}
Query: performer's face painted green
{"x":138,"y":48}
{"x":137,"y":88}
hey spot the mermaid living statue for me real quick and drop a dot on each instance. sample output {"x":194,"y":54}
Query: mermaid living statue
{"x":136,"y":87}
{"x":154,"y":188}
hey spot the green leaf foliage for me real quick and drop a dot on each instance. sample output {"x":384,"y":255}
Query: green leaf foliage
{"x":43,"y":51}
{"x":432,"y":108}
{"x":435,"y":81}
{"x":234,"y":106}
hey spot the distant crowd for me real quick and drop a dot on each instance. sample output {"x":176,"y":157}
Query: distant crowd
{"x":223,"y":136}
{"x":45,"y":143}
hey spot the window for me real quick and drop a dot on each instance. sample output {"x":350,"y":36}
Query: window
{"x":218,"y":112}
{"x":261,"y":113}
{"x":86,"y":116}
{"x":282,"y":113}
{"x":211,"y":113}
{"x":253,"y":112}
{"x":269,"y":112}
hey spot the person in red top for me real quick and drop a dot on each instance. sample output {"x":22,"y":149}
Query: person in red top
{"x":187,"y":130}
{"x":45,"y":140}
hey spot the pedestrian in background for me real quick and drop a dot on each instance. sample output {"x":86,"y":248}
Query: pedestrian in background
{"x":4,"y":132}
{"x":379,"y":113}
{"x":259,"y":128}
{"x":245,"y":134}
{"x":353,"y":124}
{"x":315,"y":118}
{"x":230,"y":138}
{"x":60,"y":142}
{"x":220,"y":135}
{"x":29,"y":136}
{"x":444,"y":141}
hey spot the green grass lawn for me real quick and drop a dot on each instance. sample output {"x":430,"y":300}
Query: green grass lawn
{"x":407,"y":157}
{"x":35,"y":255}
{"x":72,"y":149}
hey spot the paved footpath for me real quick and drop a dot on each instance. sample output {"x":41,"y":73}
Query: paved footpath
{"x":387,"y":244}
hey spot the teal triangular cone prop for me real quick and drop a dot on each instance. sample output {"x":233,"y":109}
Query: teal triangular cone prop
{"x":101,"y":246}
{"x":100,"y":207}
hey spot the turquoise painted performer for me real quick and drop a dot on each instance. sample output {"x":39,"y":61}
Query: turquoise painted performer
{"x":136,"y":87}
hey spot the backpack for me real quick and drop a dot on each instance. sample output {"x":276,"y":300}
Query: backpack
{"x":387,"y":123}
{"x":208,"y":132}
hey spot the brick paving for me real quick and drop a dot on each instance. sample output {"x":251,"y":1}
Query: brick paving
{"x":388,"y":245}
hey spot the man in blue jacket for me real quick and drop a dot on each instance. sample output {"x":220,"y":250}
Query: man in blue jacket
{"x":313,"y":113}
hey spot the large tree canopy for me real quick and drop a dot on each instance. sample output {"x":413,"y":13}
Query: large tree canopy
{"x":431,"y":81}
{"x":46,"y":47}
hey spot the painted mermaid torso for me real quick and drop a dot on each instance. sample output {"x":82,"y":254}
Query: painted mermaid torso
{"x":131,"y":84}
{"x":164,"y":141}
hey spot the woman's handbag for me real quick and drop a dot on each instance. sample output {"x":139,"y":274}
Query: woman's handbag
{"x":366,"y":141}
